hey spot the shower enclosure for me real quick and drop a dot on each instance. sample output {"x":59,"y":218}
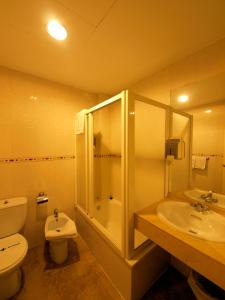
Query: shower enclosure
{"x":121,"y":168}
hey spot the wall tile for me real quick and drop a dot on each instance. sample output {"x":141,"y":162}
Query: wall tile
{"x":37,"y":120}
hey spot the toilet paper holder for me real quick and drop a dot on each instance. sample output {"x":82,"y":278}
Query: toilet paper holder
{"x":41,"y":198}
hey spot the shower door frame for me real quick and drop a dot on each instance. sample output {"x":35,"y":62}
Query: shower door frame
{"x":130,"y":250}
{"x":89,"y":170}
{"x":127,"y":99}
{"x":190,"y":118}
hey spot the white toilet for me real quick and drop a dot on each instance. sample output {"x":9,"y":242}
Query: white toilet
{"x":58,"y":229}
{"x":13,"y":246}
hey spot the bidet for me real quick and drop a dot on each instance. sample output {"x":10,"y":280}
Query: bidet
{"x":58,"y":229}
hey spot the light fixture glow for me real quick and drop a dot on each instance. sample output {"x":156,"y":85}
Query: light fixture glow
{"x":56,"y":30}
{"x":208,"y":111}
{"x":183,"y":98}
{"x":33,"y":98}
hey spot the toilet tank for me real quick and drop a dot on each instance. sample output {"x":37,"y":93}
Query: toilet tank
{"x":13,"y":212}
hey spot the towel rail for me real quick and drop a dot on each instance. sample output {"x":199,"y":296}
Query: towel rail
{"x":208,"y":156}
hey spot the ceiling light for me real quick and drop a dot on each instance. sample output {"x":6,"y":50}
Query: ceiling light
{"x":33,"y":97}
{"x":208,"y":111}
{"x":183,"y":98}
{"x":56,"y":30}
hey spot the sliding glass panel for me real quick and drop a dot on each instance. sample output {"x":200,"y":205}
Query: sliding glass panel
{"x":180,"y":168}
{"x":149,"y":157}
{"x":107,"y":169}
{"x":80,"y":171}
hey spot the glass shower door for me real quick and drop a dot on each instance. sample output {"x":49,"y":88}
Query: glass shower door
{"x":105,"y":143}
{"x":150,"y":121}
{"x":81,"y":166}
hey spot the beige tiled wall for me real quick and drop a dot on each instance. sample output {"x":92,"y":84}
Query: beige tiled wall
{"x":37,"y":120}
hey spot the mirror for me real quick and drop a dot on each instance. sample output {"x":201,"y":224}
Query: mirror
{"x":205,"y":102}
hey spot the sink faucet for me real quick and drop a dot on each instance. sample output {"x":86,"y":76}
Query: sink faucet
{"x":200,"y":207}
{"x":209,"y":197}
{"x":56,"y":213}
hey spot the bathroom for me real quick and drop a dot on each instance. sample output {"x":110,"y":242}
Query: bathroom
{"x":98,"y":125}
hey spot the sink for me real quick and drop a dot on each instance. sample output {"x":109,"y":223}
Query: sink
{"x":181,"y":215}
{"x":195,"y":194}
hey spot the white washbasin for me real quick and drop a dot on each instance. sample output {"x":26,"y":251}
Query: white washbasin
{"x":195,"y":194}
{"x":181,"y":215}
{"x":61,"y":228}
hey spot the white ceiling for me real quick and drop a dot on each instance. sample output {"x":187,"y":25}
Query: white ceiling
{"x":208,"y":91}
{"x":111,"y":44}
{"x":218,"y":109}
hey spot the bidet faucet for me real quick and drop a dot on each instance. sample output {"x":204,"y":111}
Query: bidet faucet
{"x":209,"y":197}
{"x":56,"y":213}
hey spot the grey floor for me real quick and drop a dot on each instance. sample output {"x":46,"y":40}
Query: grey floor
{"x":82,"y":278}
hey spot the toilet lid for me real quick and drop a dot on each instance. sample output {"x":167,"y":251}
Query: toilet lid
{"x":13,"y":249}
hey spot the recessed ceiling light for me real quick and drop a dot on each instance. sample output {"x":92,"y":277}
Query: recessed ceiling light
{"x":56,"y":30}
{"x":33,"y":97}
{"x":183,"y":98}
{"x":208,"y":111}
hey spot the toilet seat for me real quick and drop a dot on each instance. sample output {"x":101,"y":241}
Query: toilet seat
{"x":13,"y":250}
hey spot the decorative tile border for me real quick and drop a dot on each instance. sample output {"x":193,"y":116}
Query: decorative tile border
{"x":107,"y":155}
{"x":35,"y":159}
{"x":208,"y":155}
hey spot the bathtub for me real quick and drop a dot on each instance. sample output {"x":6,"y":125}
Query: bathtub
{"x":103,"y":235}
{"x":108,"y":213}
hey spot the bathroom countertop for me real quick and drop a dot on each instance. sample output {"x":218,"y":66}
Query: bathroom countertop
{"x":205,"y":257}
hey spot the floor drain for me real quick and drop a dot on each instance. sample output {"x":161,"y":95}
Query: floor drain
{"x":58,"y":230}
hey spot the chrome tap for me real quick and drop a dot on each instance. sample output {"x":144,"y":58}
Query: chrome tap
{"x":56,"y":213}
{"x":200,"y":207}
{"x":209,"y":197}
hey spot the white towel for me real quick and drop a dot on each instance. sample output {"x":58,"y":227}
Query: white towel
{"x":200,"y":162}
{"x":193,"y":161}
{"x":80,"y":121}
